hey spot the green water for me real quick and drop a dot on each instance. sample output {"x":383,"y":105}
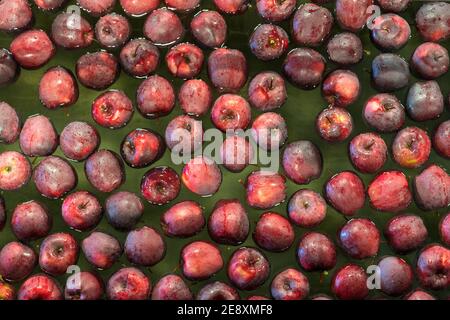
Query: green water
{"x":300,"y":112}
